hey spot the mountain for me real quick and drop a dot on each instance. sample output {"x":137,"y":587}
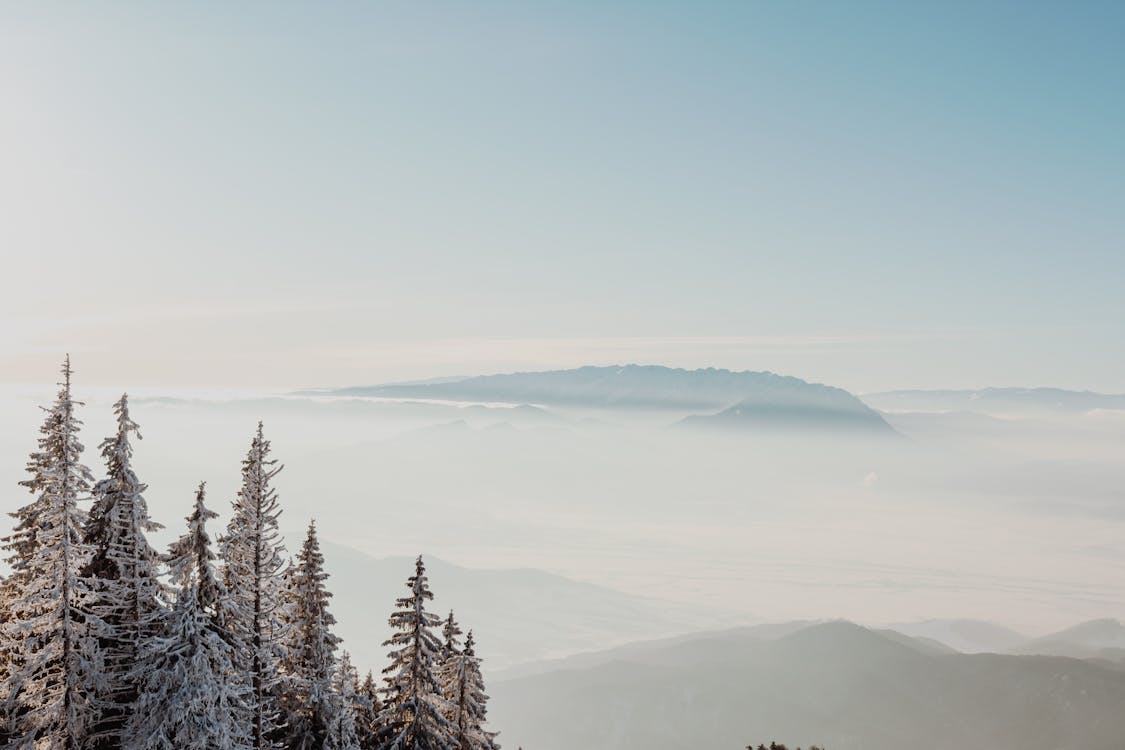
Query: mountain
{"x":917,"y":643}
{"x":997,"y":401}
{"x":698,"y":646}
{"x":517,"y":615}
{"x":770,"y":413}
{"x":675,"y":648}
{"x":966,"y":636}
{"x":834,"y":684}
{"x":730,"y":398}
{"x":1096,"y":639}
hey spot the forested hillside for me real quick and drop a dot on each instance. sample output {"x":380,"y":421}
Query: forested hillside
{"x":109,"y":643}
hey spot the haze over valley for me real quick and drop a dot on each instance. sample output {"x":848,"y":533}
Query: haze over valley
{"x":736,"y":373}
{"x":604,"y":484}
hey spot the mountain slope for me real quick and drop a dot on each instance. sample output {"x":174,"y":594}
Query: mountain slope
{"x":966,"y":636}
{"x":518,"y":615}
{"x":697,"y":648}
{"x":770,"y":414}
{"x":834,"y":684}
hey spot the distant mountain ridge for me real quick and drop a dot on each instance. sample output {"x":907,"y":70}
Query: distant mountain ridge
{"x":730,"y":399}
{"x":965,"y":635}
{"x":767,"y":413}
{"x":996,"y":400}
{"x":1095,"y":639}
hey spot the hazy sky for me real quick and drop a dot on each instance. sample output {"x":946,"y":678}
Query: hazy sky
{"x":874,"y":195}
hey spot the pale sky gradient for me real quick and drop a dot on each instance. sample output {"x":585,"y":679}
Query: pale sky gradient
{"x":874,"y":195}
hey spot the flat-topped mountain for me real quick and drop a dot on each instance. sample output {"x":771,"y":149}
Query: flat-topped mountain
{"x":642,"y":386}
{"x":728,"y":398}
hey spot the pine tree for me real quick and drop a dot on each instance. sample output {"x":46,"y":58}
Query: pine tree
{"x":449,"y":665}
{"x":253,"y":554}
{"x":367,"y":709}
{"x":53,"y":671}
{"x":342,"y":730}
{"x":128,"y":595}
{"x":191,"y":698}
{"x":464,"y":690}
{"x":413,"y":717}
{"x":191,"y":561}
{"x":6,"y":652}
{"x":451,"y":638}
{"x":309,"y":701}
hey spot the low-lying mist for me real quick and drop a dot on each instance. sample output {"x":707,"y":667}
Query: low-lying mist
{"x":1014,"y":520}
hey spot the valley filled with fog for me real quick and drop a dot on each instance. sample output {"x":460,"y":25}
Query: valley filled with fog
{"x":569,"y":525}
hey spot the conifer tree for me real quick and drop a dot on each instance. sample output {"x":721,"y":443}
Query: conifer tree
{"x":253,"y":554}
{"x":464,"y":690}
{"x":53,"y":670}
{"x":128,"y":595}
{"x":413,"y":717}
{"x":367,"y":709}
{"x":191,"y":561}
{"x":451,"y":638}
{"x":342,"y":730}
{"x":6,"y":653}
{"x":5,"y":650}
{"x":191,"y":698}
{"x":309,"y":700}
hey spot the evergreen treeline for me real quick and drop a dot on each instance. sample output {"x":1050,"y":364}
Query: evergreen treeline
{"x":107,"y":643}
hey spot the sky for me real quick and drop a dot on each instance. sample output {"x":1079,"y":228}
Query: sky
{"x":874,"y":195}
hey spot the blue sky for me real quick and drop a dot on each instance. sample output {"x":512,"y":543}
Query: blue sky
{"x":875,"y":195}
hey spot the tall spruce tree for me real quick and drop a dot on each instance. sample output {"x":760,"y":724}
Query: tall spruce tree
{"x":463,"y":685}
{"x":413,"y":716}
{"x":343,"y":732}
{"x":54,"y":674}
{"x":191,"y":561}
{"x":367,"y":709}
{"x":253,"y":554}
{"x":191,"y":696}
{"x":309,"y":701}
{"x":129,"y":598}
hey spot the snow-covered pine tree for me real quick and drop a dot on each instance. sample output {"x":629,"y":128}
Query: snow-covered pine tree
{"x":464,"y":686}
{"x":367,"y":709}
{"x":53,"y":671}
{"x":342,"y":730}
{"x":309,"y":703}
{"x":191,"y":561}
{"x":190,"y":697}
{"x":448,"y":665}
{"x":451,"y":638}
{"x":129,"y":598}
{"x":5,"y":652}
{"x":413,"y":716}
{"x":252,"y":551}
